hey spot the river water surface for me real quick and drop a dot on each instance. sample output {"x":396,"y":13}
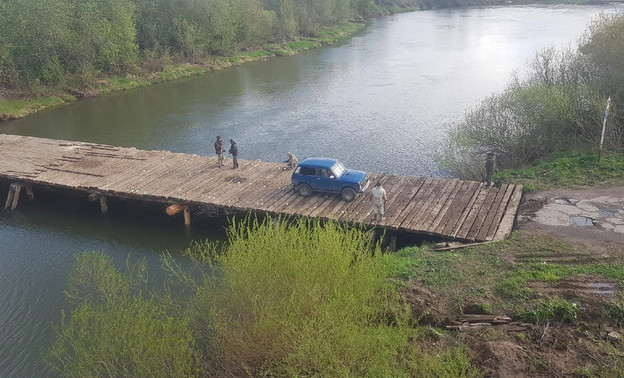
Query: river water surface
{"x":379,"y":100}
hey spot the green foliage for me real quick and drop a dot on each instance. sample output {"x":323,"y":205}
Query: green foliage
{"x":295,"y":298}
{"x":113,"y":331}
{"x":55,"y":42}
{"x":18,"y":108}
{"x":567,"y":169}
{"x":94,"y":279}
{"x":554,"y":310}
{"x":614,"y":313}
{"x":558,"y":107}
{"x":603,"y":46}
{"x":306,"y":298}
{"x":131,"y":337}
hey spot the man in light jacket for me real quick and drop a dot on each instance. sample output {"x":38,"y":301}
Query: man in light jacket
{"x":379,"y":198}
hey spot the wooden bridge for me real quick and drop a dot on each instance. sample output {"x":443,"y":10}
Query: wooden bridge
{"x":451,"y":209}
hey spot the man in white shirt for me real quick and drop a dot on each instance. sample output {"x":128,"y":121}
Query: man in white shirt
{"x":379,"y":198}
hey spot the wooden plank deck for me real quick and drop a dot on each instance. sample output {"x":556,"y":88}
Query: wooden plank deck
{"x":451,"y":209}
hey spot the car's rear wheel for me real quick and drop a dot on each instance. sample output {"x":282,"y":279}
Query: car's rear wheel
{"x":348,"y":194}
{"x":304,"y":190}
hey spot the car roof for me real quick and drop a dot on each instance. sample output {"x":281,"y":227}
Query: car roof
{"x":318,"y":162}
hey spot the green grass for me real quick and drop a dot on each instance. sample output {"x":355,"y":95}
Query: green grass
{"x":115,"y":84}
{"x":568,"y":169}
{"x":499,"y":272}
{"x":18,"y":108}
{"x":552,"y":310}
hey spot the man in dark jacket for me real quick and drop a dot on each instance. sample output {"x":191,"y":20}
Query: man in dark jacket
{"x":219,"y":150}
{"x":234,"y":152}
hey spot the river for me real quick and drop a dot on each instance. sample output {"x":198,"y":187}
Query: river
{"x":379,"y":100}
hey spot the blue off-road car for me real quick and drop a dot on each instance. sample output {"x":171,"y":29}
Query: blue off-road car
{"x":328,"y":175}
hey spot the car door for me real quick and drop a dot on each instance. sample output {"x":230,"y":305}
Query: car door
{"x":307,"y":175}
{"x":326,"y":181}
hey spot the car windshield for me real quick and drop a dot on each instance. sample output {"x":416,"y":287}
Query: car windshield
{"x":338,"y":169}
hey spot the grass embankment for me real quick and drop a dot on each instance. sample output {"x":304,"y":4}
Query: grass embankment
{"x":530,"y":278}
{"x":568,"y":169}
{"x":17,"y":108}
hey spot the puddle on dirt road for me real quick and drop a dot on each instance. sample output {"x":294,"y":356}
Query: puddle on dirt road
{"x":562,"y":201}
{"x":602,"y":288}
{"x":583,"y":221}
{"x":606,"y":213}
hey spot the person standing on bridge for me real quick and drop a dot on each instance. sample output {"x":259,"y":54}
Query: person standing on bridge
{"x":234,"y":152}
{"x":379,"y":198}
{"x":219,"y":150}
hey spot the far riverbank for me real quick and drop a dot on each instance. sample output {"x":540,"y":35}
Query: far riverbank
{"x":16,"y":105}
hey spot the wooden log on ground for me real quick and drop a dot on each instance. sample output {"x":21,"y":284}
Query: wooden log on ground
{"x":479,"y":318}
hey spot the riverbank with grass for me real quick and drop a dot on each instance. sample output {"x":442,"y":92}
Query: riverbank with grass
{"x":309,"y":298}
{"x":567,"y":169}
{"x":14,"y":106}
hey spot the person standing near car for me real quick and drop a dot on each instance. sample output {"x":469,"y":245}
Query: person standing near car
{"x":219,"y":150}
{"x":234,"y":152}
{"x":379,"y":197}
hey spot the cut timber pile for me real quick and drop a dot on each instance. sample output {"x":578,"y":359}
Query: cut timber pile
{"x":468,"y":322}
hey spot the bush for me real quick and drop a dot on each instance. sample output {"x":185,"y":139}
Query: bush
{"x":307,"y":299}
{"x":127,"y":338}
{"x":559,"y":106}
{"x":114,"y":331}
{"x":296,"y":298}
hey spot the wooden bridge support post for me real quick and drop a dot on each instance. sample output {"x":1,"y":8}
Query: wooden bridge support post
{"x":392,"y":245}
{"x":29,"y":192}
{"x":102,"y":199}
{"x":10,"y":196}
{"x":14,"y":193}
{"x":103,"y":205}
{"x":187,"y":216}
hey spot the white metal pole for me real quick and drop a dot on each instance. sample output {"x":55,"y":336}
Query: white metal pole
{"x":604,"y":124}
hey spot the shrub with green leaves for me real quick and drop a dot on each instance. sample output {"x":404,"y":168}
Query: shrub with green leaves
{"x":305,"y":298}
{"x":127,"y":338}
{"x":297,"y":298}
{"x":558,"y":106}
{"x":115,"y":332}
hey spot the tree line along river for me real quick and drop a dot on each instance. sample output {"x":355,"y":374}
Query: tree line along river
{"x":379,"y":100}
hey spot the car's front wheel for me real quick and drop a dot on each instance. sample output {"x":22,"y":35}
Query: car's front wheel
{"x":348,"y":194}
{"x":304,"y":190}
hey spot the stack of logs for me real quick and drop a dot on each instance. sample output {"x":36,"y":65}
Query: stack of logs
{"x":468,"y":322}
